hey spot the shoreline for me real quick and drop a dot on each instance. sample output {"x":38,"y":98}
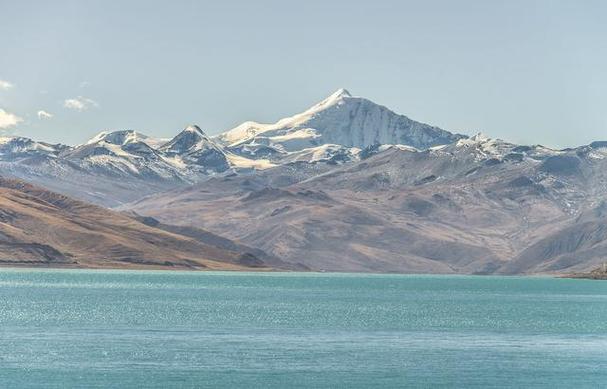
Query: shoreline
{"x":130,"y":268}
{"x":586,"y":276}
{"x":599,"y":273}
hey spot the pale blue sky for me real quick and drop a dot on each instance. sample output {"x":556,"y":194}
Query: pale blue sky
{"x":525,"y":71}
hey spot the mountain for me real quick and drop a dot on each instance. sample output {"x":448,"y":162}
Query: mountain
{"x":122,"y":154}
{"x":118,"y":167}
{"x":347,"y":185}
{"x":43,"y":228}
{"x":340,"y":119}
{"x":110,"y":169}
{"x":124,"y":137}
{"x":478,"y":205}
{"x":193,"y":147}
{"x":23,"y":148}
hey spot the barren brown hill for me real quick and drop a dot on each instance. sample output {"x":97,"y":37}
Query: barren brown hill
{"x":43,"y":228}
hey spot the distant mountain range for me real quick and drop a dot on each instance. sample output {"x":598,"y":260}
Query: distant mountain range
{"x":117,"y":167}
{"x":348,"y":185}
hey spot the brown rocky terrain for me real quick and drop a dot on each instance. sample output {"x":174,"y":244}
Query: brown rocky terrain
{"x":597,"y":274}
{"x":43,"y":228}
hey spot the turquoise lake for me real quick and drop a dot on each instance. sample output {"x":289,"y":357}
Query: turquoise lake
{"x":78,"y":328}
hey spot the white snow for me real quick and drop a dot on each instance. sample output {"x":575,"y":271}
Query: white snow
{"x":115,"y":163}
{"x":17,"y":144}
{"x":123,"y":137}
{"x":5,"y":139}
{"x":402,"y":148}
{"x":323,"y":153}
{"x":242,"y":162}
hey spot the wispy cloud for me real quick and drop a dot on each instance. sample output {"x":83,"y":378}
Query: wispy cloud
{"x":8,"y":119}
{"x":80,"y":103}
{"x":5,"y":85}
{"x":44,"y":115}
{"x":85,"y":84}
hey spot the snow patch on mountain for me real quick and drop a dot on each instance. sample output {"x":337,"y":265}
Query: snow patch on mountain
{"x":328,"y":153}
{"x":16,"y":145}
{"x":239,"y":162}
{"x":483,"y":147}
{"x":123,"y":137}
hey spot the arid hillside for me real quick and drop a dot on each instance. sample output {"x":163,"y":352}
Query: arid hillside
{"x":43,"y":228}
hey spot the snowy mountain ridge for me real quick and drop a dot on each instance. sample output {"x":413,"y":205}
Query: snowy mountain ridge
{"x":338,"y":130}
{"x":334,"y":130}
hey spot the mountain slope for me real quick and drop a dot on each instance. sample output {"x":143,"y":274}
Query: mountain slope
{"x":42,"y":228}
{"x":474,"y":206}
{"x":580,"y":245}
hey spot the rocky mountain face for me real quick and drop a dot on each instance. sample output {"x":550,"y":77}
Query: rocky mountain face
{"x":347,"y":185}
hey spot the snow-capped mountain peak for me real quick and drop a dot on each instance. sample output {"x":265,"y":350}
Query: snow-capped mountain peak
{"x":249,"y":130}
{"x":193,"y":128}
{"x":120,"y":137}
{"x":483,"y":147}
{"x":343,"y":120}
{"x":480,"y":137}
{"x":335,"y":97}
{"x":299,"y":120}
{"x":14,"y":145}
{"x":476,"y":140}
{"x":192,"y":138}
{"x":194,"y":147}
{"x":124,"y":137}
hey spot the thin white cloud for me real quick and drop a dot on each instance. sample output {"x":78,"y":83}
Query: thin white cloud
{"x":5,"y":85}
{"x":80,"y":103}
{"x":85,"y":84}
{"x":8,"y":119}
{"x":44,"y":115}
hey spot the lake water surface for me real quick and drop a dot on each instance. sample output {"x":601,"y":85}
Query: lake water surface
{"x":77,"y":328}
